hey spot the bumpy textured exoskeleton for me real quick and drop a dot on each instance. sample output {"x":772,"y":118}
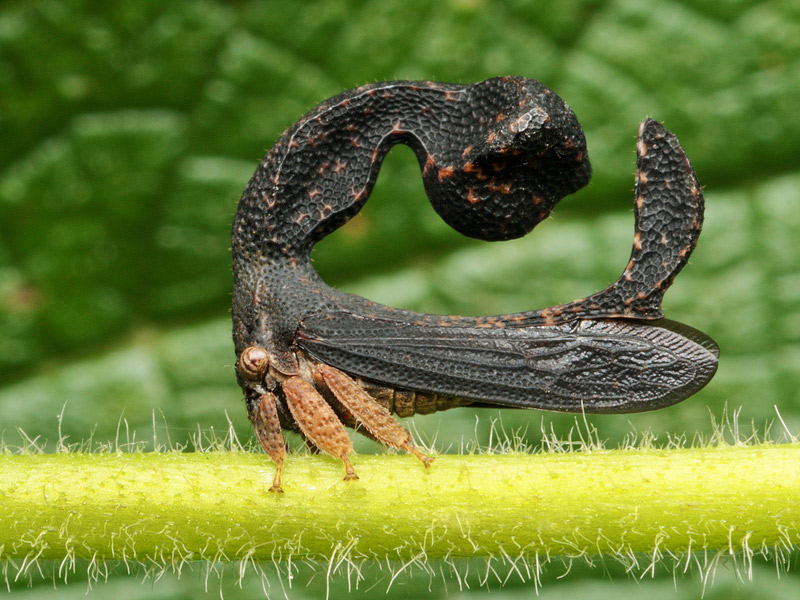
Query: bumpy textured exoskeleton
{"x":495,"y":157}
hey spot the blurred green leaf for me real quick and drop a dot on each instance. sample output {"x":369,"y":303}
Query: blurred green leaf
{"x":129,"y":130}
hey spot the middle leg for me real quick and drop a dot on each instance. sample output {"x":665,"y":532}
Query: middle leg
{"x":318,"y":422}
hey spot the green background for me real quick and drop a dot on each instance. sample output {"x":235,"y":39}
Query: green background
{"x":128,"y":130}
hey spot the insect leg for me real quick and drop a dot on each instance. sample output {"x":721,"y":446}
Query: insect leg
{"x":367,"y":411}
{"x":268,"y":432}
{"x":318,"y":422}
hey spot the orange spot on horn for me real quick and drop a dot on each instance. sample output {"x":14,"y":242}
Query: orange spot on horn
{"x":446,"y":172}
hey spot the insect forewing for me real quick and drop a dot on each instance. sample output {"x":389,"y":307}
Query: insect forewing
{"x":596,"y":366}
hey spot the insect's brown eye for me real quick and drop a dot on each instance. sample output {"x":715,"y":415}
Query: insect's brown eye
{"x":253,"y":362}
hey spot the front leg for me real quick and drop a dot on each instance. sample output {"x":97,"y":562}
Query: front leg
{"x":268,"y":432}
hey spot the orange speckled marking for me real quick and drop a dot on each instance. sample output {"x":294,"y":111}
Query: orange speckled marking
{"x":357,"y":195}
{"x":503,"y":188}
{"x":429,"y":164}
{"x":446,"y":172}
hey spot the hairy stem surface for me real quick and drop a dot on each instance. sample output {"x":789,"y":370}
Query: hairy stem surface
{"x":190,"y":506}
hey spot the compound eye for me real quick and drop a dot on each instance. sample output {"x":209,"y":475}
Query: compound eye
{"x":253,"y":362}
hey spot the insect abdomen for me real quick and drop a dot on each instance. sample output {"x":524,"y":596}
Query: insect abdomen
{"x":406,"y":403}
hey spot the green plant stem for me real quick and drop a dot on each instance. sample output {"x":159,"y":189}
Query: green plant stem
{"x":167,"y":506}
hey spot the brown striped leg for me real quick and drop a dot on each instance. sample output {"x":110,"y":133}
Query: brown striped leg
{"x":367,"y":411}
{"x":268,"y":433}
{"x":318,"y":422}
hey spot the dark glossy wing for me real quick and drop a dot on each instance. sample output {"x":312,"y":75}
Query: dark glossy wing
{"x":596,"y":366}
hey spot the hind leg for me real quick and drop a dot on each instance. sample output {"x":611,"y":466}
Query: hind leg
{"x":367,"y":411}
